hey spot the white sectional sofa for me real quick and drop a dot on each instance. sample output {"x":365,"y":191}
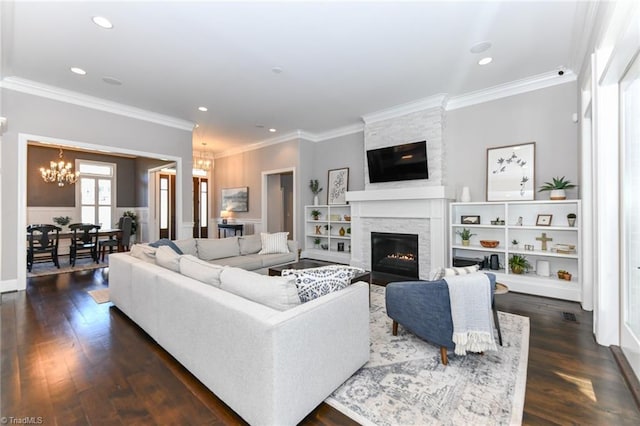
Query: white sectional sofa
{"x":270,"y":366}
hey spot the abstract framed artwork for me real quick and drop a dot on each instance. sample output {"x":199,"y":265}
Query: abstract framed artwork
{"x":544,"y":220}
{"x":470,"y":220}
{"x":338,"y":184}
{"x":511,"y":172}
{"x":235,"y":199}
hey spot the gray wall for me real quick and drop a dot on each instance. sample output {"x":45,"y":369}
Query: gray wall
{"x":28,"y":114}
{"x":543,"y":116}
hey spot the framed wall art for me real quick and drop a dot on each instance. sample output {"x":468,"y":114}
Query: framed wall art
{"x":511,"y":172}
{"x":470,"y":220}
{"x":235,"y":199}
{"x":338,"y":184}
{"x":544,"y":220}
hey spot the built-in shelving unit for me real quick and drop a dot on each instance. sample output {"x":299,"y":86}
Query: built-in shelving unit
{"x":519,"y":220}
{"x":323,"y":239}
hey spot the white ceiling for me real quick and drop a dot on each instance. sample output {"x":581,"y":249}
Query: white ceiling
{"x":339,"y":60}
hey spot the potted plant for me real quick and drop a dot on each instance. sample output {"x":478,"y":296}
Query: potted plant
{"x":564,"y":275}
{"x":327,"y":228}
{"x":62,"y":220}
{"x":314,"y":186}
{"x":316,"y":242}
{"x":519,"y":264}
{"x":557,"y":188}
{"x":571,"y":219}
{"x":465,"y":235}
{"x":515,"y":243}
{"x":315,"y":214}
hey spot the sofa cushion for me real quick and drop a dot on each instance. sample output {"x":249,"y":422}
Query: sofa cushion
{"x":187,"y":246}
{"x":250,"y":244}
{"x":143,"y":252}
{"x":168,"y":258}
{"x":200,"y":270}
{"x":274,"y":243}
{"x":248,"y":262}
{"x":166,"y":242}
{"x":276,"y":292}
{"x":217,"y":248}
{"x":439,"y":273}
{"x":315,"y":282}
{"x":277,"y":259}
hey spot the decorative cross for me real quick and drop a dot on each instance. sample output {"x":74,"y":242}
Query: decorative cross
{"x":544,"y":240}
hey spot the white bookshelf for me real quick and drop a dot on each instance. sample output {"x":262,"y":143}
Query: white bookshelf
{"x":526,"y":234}
{"x":331,"y":246}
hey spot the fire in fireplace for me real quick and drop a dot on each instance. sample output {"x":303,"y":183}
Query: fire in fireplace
{"x":394,"y":256}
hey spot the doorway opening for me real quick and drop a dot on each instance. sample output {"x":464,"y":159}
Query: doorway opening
{"x":278,"y":201}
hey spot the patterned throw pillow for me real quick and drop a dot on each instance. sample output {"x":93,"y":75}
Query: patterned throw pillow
{"x":440,"y":273}
{"x":274,"y":243}
{"x":315,"y":282}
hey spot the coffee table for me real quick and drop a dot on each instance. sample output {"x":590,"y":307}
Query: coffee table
{"x":312,"y":263}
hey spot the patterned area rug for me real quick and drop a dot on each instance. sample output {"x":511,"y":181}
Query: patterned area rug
{"x":404,"y":382}
{"x":48,"y":268}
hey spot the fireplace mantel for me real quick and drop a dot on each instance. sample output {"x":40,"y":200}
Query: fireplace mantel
{"x":394,"y":194}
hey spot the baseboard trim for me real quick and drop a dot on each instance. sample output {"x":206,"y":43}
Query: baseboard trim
{"x":7,"y":286}
{"x":627,"y":372}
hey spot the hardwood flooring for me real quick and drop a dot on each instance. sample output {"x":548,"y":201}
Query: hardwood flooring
{"x":69,"y":361}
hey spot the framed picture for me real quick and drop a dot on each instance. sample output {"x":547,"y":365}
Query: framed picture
{"x":235,"y":199}
{"x":470,"y":220}
{"x":511,"y":172}
{"x":338,"y":184}
{"x":544,"y":220}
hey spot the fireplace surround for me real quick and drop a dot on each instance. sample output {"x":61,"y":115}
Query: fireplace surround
{"x":394,"y":257}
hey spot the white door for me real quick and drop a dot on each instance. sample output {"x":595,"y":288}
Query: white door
{"x":630,"y":163}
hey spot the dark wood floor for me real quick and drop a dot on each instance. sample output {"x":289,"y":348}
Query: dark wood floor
{"x":71,"y":361}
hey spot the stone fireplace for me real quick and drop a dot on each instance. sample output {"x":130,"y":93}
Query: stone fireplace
{"x":419,"y":207}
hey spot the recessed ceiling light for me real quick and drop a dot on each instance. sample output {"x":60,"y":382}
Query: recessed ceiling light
{"x":78,"y":71}
{"x":276,"y":70}
{"x":272,"y":130}
{"x":102,"y":22}
{"x":112,"y":80}
{"x":203,"y":109}
{"x":483,"y":46}
{"x":485,"y":61}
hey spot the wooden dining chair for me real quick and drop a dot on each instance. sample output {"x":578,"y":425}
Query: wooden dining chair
{"x":84,"y":242}
{"x":43,"y":242}
{"x":122,"y":241}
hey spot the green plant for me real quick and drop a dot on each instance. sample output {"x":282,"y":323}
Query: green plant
{"x":571,"y":216}
{"x":519,"y":264}
{"x":327,"y":227}
{"x":349,"y":231}
{"x":134,"y":220}
{"x":315,"y":214}
{"x":314,"y":186}
{"x":316,"y":241}
{"x":465,"y":234}
{"x":557,"y":183}
{"x":515,"y":242}
{"x":62,"y":220}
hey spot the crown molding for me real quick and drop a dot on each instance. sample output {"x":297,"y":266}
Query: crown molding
{"x":434,"y":101}
{"x":517,"y":87}
{"x":333,"y":133}
{"x":296,"y":134}
{"x":51,"y":92}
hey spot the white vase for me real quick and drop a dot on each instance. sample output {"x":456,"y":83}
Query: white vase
{"x":542,"y":268}
{"x":557,"y":194}
{"x":465,"y":196}
{"x":315,"y":200}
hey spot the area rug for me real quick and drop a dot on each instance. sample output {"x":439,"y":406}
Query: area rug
{"x":404,"y":382}
{"x":48,"y":268}
{"x":100,"y":296}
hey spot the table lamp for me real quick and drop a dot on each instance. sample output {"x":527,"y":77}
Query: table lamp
{"x":224,"y":215}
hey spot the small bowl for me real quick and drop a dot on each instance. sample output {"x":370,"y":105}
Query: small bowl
{"x":489,"y":243}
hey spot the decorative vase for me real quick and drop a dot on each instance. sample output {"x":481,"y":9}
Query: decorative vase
{"x":517,"y":269}
{"x":558,"y":194}
{"x":342,"y":231}
{"x":315,"y":200}
{"x":542,"y":268}
{"x":465,"y":242}
{"x":465,"y":196}
{"x":572,"y":221}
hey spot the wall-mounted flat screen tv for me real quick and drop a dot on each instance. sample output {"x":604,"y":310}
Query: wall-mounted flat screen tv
{"x":399,"y":162}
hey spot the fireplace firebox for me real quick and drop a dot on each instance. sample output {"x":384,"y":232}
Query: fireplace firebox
{"x":394,"y":257}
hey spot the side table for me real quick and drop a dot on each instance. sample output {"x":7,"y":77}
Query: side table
{"x":500,"y":289}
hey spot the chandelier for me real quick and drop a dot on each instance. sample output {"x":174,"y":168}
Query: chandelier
{"x":202,"y":161}
{"x":59,"y":172}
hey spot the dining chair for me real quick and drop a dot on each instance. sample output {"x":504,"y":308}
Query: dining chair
{"x":84,"y":242}
{"x":43,"y":244}
{"x":121,"y":241}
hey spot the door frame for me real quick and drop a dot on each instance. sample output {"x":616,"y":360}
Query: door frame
{"x":265,"y":198}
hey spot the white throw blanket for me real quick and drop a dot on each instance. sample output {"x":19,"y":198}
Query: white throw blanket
{"x":471,"y":313}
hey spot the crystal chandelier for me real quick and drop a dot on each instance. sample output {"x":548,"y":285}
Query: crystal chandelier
{"x":59,"y":172}
{"x":202,"y":161}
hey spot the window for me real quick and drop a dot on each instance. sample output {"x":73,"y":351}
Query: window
{"x":96,"y":192}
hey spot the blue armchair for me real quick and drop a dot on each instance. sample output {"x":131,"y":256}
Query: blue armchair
{"x":424,"y":309}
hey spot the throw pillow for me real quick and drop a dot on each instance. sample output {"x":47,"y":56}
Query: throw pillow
{"x":200,"y":270}
{"x":315,"y":282}
{"x":217,"y":248}
{"x":166,"y":242}
{"x":439,"y":273}
{"x":187,"y":246}
{"x":167,"y":258}
{"x":143,"y":252}
{"x":275,"y":292}
{"x":250,"y":244}
{"x":274,"y":243}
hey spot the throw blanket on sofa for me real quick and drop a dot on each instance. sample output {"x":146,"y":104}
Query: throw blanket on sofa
{"x":471,"y":313}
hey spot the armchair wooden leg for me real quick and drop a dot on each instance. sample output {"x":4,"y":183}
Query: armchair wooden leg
{"x":394,"y":328}
{"x":443,"y":355}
